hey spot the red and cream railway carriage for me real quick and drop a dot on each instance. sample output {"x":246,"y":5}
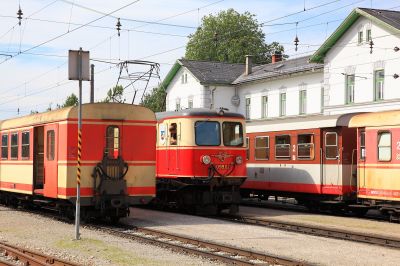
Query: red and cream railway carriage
{"x":312,"y":159}
{"x":200,"y":159}
{"x":39,"y":158}
{"x":378,"y":177}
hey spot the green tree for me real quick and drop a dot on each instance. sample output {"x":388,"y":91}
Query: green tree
{"x":155,"y":100}
{"x":115,"y":95}
{"x":72,"y":100}
{"x":229,"y":36}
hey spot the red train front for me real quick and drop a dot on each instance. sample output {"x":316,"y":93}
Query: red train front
{"x":200,"y":159}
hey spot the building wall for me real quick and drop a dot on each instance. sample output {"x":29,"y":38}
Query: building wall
{"x":349,"y":57}
{"x":311,"y":82}
{"x":178,"y":91}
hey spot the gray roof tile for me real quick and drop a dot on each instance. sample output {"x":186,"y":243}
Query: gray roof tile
{"x":390,"y":17}
{"x":277,"y":69}
{"x":213,"y":72}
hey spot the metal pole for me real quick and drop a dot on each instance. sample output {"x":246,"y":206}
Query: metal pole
{"x":78,"y":170}
{"x":92,"y":83}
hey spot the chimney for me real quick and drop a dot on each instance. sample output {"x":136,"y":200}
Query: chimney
{"x":276,"y":57}
{"x":249,"y":64}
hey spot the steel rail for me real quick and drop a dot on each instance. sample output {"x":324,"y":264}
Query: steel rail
{"x":342,"y":234}
{"x":224,"y":253}
{"x":31,"y":258}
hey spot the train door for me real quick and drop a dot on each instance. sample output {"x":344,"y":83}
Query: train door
{"x":331,"y":170}
{"x":50,"y":187}
{"x":361,"y":160}
{"x":38,"y":160}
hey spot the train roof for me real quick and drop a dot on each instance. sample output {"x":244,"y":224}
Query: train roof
{"x":298,"y":123}
{"x":106,"y":111}
{"x":197,"y":112}
{"x":376,"y":119}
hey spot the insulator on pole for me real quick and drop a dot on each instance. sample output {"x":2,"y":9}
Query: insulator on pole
{"x":19,"y":13}
{"x":119,"y":27}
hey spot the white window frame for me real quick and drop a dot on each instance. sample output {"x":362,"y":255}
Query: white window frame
{"x":263,"y":147}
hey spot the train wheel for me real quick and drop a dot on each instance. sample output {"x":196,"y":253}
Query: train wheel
{"x":233,"y":209}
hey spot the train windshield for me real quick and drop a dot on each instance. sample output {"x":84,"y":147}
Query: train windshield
{"x":207,"y":133}
{"x":233,"y":133}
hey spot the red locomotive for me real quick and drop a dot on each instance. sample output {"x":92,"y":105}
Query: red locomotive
{"x":39,"y":157}
{"x":200,"y":159}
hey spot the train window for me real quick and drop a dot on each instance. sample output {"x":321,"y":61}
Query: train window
{"x":384,"y":146}
{"x":112,"y":142}
{"x":305,"y":146}
{"x":362,"y":145}
{"x":4,"y":147}
{"x":207,"y":133}
{"x":331,"y":145}
{"x":233,"y":134}
{"x":50,"y":145}
{"x":247,"y":148}
{"x":173,"y":134}
{"x":25,"y":145}
{"x":282,"y":147}
{"x":14,"y":146}
{"x":262,"y":148}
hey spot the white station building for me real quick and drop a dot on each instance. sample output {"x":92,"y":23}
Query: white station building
{"x":355,"y":70}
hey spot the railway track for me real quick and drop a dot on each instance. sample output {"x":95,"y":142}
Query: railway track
{"x":207,"y":249}
{"x":27,"y":257}
{"x":391,"y":242}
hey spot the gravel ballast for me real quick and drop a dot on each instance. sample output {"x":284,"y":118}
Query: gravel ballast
{"x":315,"y":250}
{"x":95,"y":248}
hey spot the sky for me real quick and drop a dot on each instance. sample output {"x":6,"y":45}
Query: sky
{"x":34,"y":55}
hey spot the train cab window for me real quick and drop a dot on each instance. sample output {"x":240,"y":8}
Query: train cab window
{"x":362,"y":145}
{"x":233,"y":134}
{"x":173,"y":134}
{"x":50,"y":152}
{"x":247,"y":148}
{"x":4,"y":147}
{"x":25,"y":145}
{"x":112,"y":142}
{"x":384,"y":146}
{"x":207,"y":133}
{"x":14,"y":146}
{"x":262,"y":148}
{"x":282,"y":147}
{"x":331,"y":145}
{"x":305,"y":146}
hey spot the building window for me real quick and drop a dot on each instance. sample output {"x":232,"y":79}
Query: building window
{"x":362,"y":145}
{"x":282,"y":104}
{"x":360,"y":37}
{"x":112,"y":142}
{"x":262,"y":148}
{"x":178,"y":104}
{"x":305,"y":146}
{"x":331,"y":145}
{"x":25,"y":145}
{"x":248,"y":102}
{"x":384,"y":146}
{"x":369,"y":35}
{"x":4,"y":147}
{"x":303,"y":102}
{"x":264,"y":106}
{"x":247,"y":148}
{"x":14,"y":146}
{"x":190,"y":103}
{"x":349,"y":89}
{"x":379,"y":77}
{"x":184,"y":78}
{"x":282,"y":147}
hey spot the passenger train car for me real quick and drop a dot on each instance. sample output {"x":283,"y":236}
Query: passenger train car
{"x":39,"y":158}
{"x":312,"y":159}
{"x":200,"y":159}
{"x":378,"y":178}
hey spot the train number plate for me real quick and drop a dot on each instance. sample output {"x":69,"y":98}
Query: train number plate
{"x":222,"y":166}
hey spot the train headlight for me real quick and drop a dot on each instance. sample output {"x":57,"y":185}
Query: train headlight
{"x":206,"y":159}
{"x":239,"y":159}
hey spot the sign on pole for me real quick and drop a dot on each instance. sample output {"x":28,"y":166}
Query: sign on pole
{"x":73,"y":65}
